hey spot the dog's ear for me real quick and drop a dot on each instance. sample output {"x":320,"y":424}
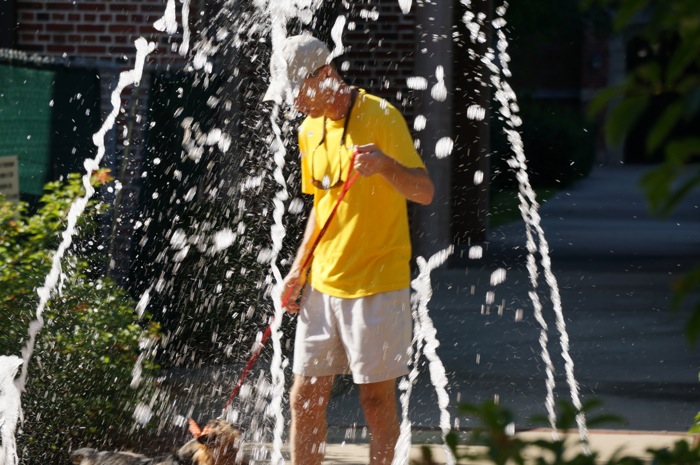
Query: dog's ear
{"x":195,"y":430}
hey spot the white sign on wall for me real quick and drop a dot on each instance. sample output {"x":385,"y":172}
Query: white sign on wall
{"x":9,"y":178}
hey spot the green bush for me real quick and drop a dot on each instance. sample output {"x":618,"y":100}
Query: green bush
{"x":558,"y":143}
{"x":77,"y":389}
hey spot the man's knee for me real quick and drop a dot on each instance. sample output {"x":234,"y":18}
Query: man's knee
{"x":309,"y":394}
{"x":378,"y":396}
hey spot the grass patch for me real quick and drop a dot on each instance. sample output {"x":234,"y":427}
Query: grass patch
{"x":504,"y":205}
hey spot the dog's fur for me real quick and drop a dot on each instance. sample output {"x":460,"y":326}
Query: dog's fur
{"x":217,"y":444}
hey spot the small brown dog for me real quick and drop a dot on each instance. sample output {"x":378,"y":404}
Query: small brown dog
{"x":217,"y":443}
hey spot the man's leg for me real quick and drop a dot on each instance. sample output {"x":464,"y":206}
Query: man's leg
{"x":378,"y":402}
{"x":308,"y":401}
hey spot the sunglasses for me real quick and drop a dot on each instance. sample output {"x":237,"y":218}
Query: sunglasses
{"x":325,"y":182}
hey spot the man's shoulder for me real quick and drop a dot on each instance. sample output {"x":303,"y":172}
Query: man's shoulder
{"x":309,"y":124}
{"x":374,"y":105}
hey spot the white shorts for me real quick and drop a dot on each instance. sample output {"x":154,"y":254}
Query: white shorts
{"x":368,"y":336}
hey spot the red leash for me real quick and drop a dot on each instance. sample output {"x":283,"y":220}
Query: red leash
{"x":307,"y":260}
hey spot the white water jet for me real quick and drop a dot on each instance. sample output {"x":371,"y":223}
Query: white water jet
{"x":277,"y":233}
{"x":126,"y":78}
{"x":425,"y":338}
{"x":168,"y":23}
{"x":10,"y":408}
{"x":337,"y":36}
{"x":185,"y":45}
{"x":529,"y":208}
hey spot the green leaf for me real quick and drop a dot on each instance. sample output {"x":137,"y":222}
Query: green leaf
{"x":626,"y":12}
{"x":683,"y":287}
{"x":623,"y":116}
{"x":679,"y":194}
{"x":692,"y":327}
{"x":603,"y":98}
{"x":657,"y":185}
{"x":650,"y":76}
{"x":680,"y":151}
{"x":685,"y":55}
{"x":664,"y":125}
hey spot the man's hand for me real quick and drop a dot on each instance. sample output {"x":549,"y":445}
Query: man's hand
{"x":413,"y":183}
{"x":291,"y":288}
{"x":369,"y":160}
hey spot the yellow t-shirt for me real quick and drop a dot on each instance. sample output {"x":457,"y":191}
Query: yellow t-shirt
{"x":366,"y":248}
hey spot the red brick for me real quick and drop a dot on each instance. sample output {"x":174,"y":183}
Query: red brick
{"x":122,"y":28}
{"x":32,"y":6}
{"x":37,"y":48}
{"x":122,"y":50}
{"x":153,"y":8}
{"x":147,"y":29}
{"x":30,"y":27}
{"x":91,"y":28}
{"x":54,"y":27}
{"x":92,"y":7}
{"x":26,"y":37}
{"x":69,"y":49}
{"x":123,"y":7}
{"x":92,"y":49}
{"x":59,"y":6}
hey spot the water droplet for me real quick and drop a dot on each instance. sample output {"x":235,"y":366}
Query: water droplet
{"x":476,"y":112}
{"x":498,"y":276}
{"x":444,"y":147}
{"x":417,"y":83}
{"x":476,"y":252}
{"x":419,"y":123}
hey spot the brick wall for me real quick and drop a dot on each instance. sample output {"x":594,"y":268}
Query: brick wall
{"x":102,"y":30}
{"x":381,"y":49}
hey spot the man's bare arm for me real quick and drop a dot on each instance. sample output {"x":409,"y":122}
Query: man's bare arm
{"x":413,"y":183}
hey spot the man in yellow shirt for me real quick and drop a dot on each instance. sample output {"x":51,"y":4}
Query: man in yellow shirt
{"x":354,"y":315}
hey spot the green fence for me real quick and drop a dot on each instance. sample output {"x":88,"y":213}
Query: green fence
{"x":47,"y":118}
